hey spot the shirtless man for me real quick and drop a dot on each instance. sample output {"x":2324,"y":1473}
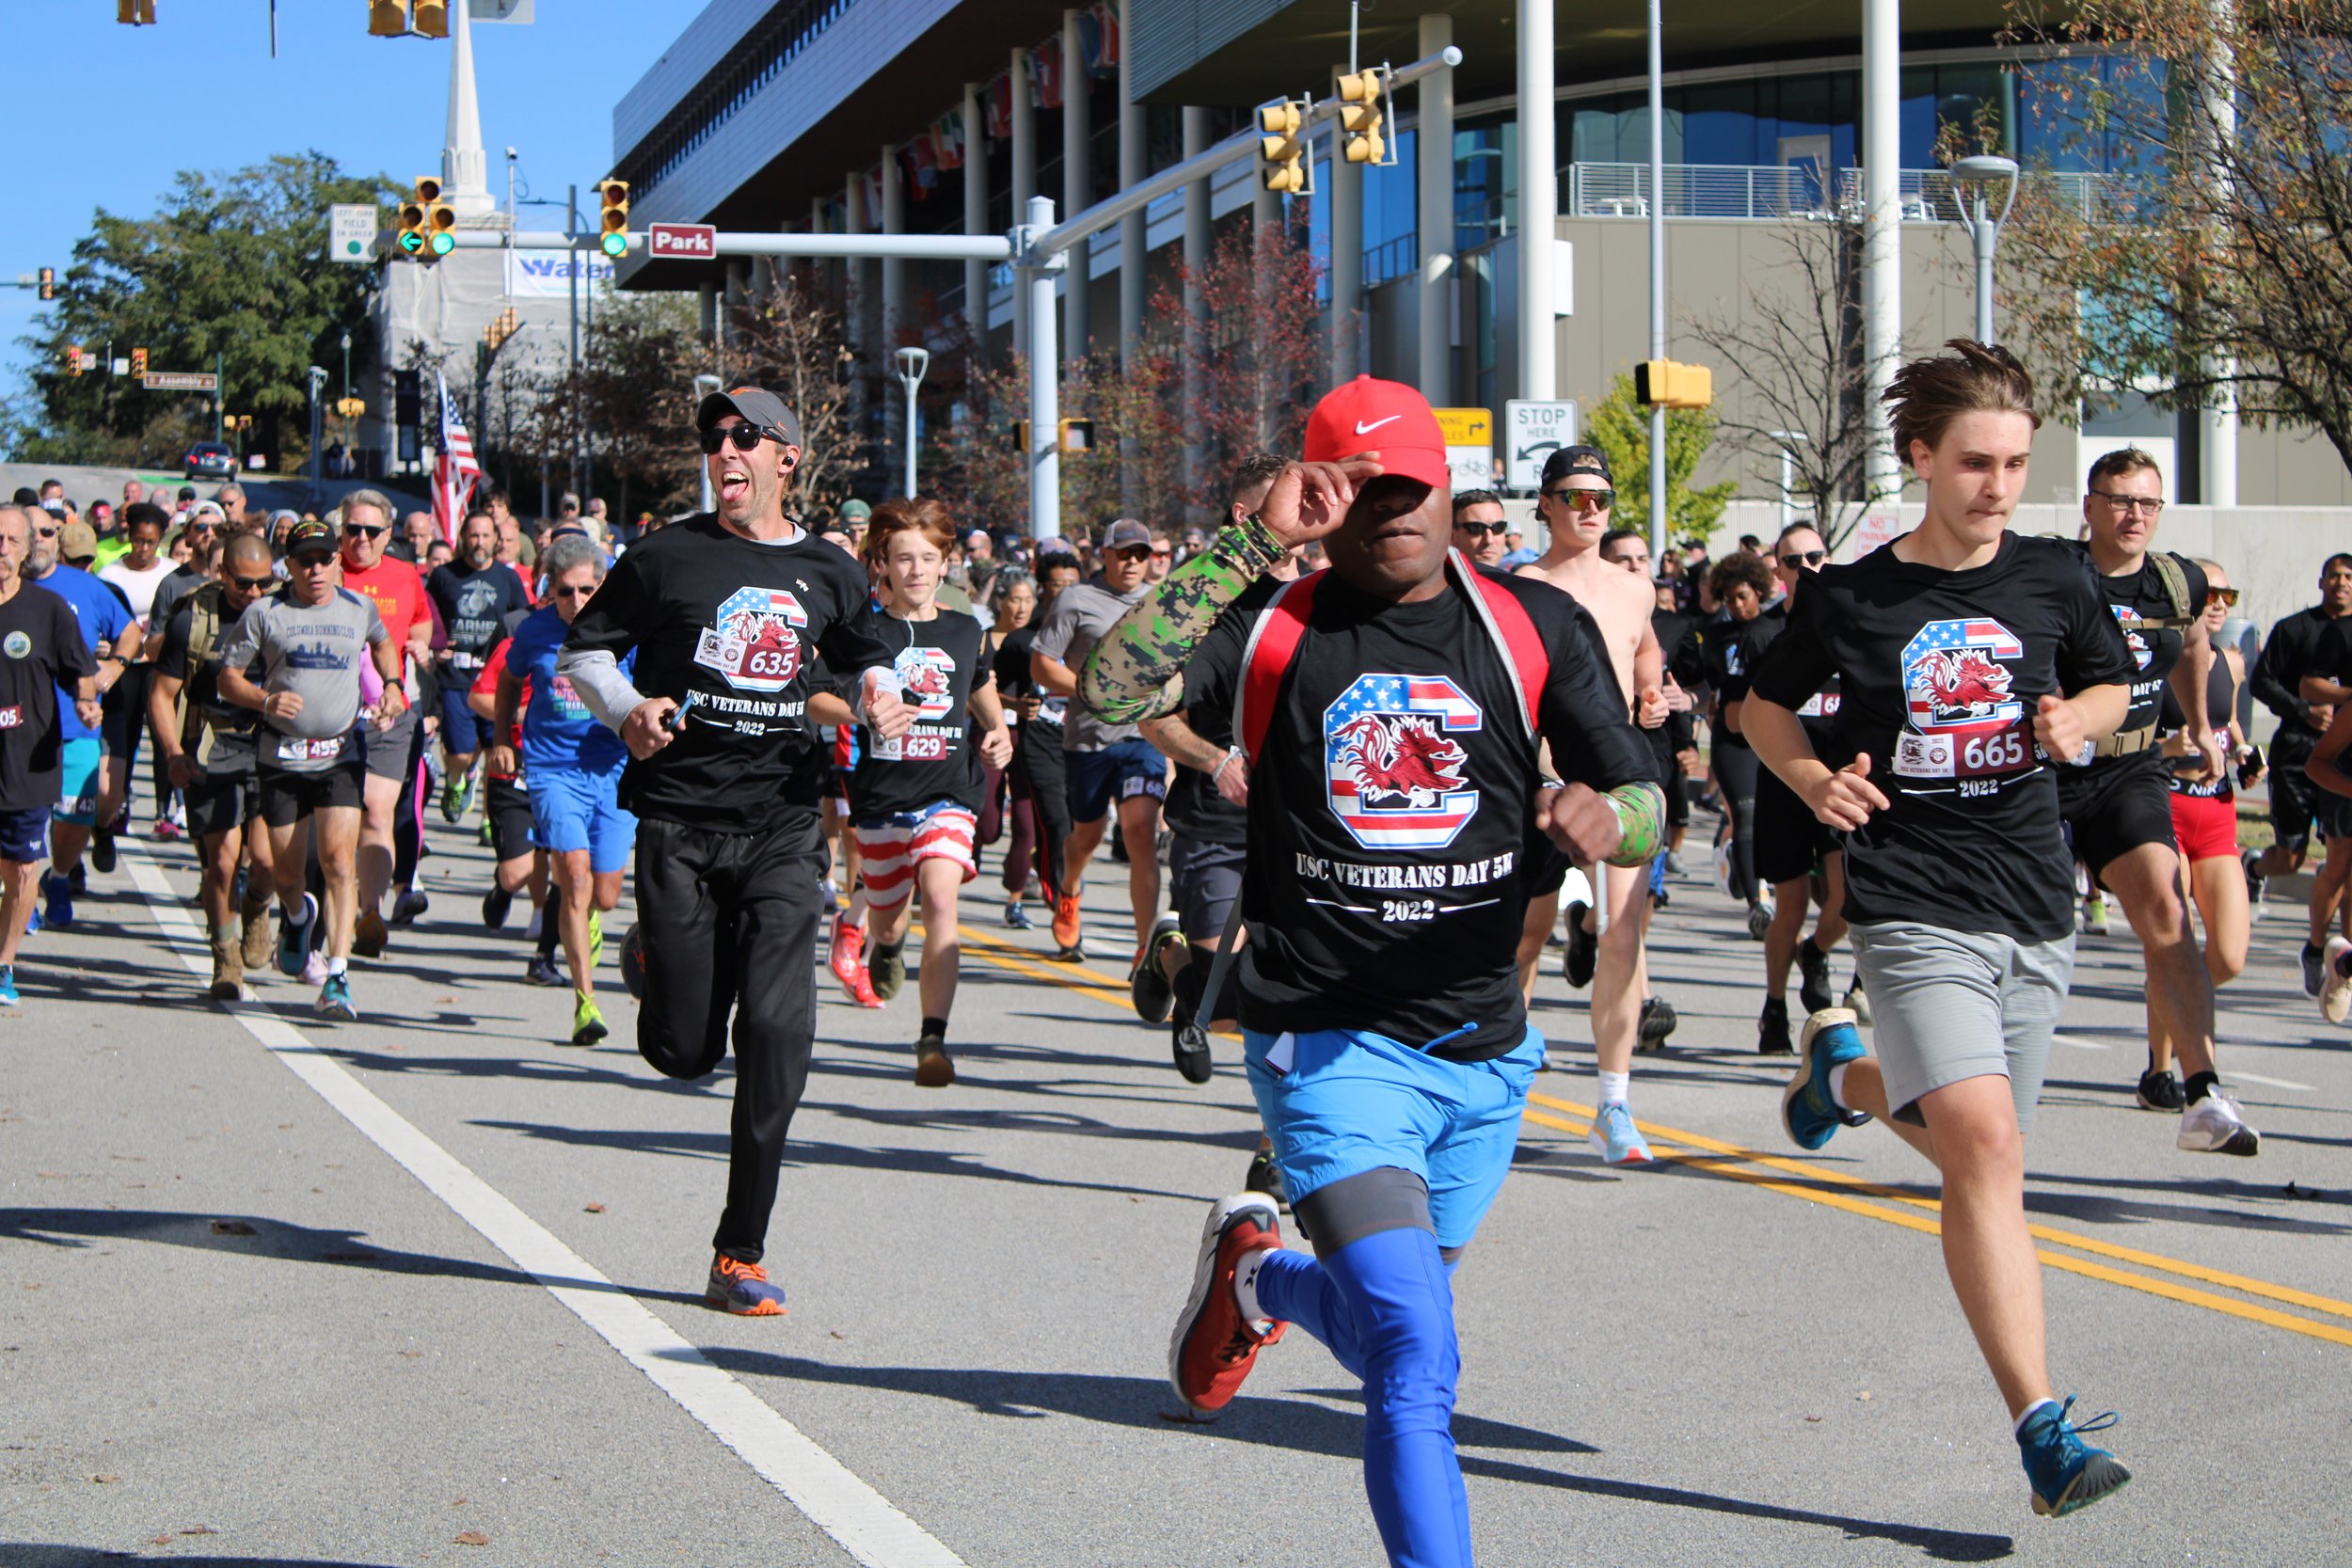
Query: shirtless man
{"x":1576,"y":497}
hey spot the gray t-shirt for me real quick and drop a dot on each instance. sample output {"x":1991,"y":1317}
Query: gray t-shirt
{"x":315,"y":652}
{"x":1076,"y":620}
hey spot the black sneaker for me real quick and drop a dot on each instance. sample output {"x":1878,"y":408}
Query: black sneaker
{"x":1771,"y":1029}
{"x":934,"y":1069}
{"x":887,"y":970}
{"x":543,"y":971}
{"x":1148,"y":985}
{"x":2313,"y":967}
{"x":495,"y":905}
{"x":102,"y":850}
{"x":1189,"y":1044}
{"x":1657,"y":1021}
{"x":1583,"y":948}
{"x":1267,"y":1177}
{"x":2160,"y":1091}
{"x":2255,"y":881}
{"x":1813,"y":984}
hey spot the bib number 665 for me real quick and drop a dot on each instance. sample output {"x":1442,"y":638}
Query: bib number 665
{"x":1993,"y":754}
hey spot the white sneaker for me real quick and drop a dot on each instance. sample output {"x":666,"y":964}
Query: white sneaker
{"x":2214,"y":1126}
{"x":1760,"y":915}
{"x":538,"y":918}
{"x":2335,"y":985}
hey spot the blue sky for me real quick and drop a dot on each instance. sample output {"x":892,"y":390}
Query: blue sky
{"x":128,"y":107}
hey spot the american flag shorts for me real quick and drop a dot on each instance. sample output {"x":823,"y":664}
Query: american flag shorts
{"x":892,"y":845}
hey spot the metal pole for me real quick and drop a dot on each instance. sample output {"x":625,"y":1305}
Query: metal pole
{"x":1882,"y":225}
{"x":220,"y":390}
{"x":1986,"y":234}
{"x":1435,"y":198}
{"x":571,"y":226}
{"x":910,"y":386}
{"x":1656,"y":272}
{"x":1540,"y":202}
{"x":1044,"y":394}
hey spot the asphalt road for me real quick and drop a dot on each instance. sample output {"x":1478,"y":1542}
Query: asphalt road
{"x":425,"y":1287}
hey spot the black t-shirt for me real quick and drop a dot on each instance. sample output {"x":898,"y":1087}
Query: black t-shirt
{"x":2308,"y":642}
{"x":1388,"y":811}
{"x":1678,"y":645}
{"x":940,"y":662}
{"x":2137,"y":599}
{"x":41,"y":648}
{"x":1014,"y":683}
{"x":1941,"y":672}
{"x":1731,"y":651}
{"x":226,"y":746}
{"x":733,"y":622}
{"x":1195,"y":809}
{"x":474,"y":605}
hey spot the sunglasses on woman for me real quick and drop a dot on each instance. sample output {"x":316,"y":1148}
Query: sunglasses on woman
{"x":2222,"y":595}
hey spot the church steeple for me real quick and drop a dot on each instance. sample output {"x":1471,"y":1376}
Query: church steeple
{"x":465,"y":167}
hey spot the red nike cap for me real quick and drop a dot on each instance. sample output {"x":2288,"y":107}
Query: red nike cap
{"x":1386,"y":417}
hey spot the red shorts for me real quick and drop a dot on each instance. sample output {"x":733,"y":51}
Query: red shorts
{"x":2206,"y":826}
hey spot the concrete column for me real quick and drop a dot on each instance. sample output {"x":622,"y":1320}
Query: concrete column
{"x":1133,"y":262}
{"x":706,"y":298}
{"x":1540,"y":202}
{"x":1882,"y":219}
{"x":1024,"y":186}
{"x":1078,"y":185}
{"x":854,"y":291}
{"x":1435,"y":137}
{"x":974,"y":219}
{"x":1347,"y":255}
{"x":1196,"y":131}
{"x":2217,"y":448}
{"x":894,"y":269}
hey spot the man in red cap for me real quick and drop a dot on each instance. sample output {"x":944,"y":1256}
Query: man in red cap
{"x":1392,"y":709}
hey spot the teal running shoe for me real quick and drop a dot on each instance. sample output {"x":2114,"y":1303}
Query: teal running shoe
{"x":1806,"y":1107}
{"x":2067,"y":1473}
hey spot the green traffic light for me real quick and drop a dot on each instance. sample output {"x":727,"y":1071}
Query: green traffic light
{"x":615,"y":246}
{"x":412,"y":242}
{"x":444,"y":244}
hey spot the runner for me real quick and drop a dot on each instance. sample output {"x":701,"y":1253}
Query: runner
{"x":1675,"y":746}
{"x":1040,"y":761}
{"x":1111,"y":766}
{"x":1478,"y":527}
{"x":2205,"y":816}
{"x":1386,"y":1041}
{"x":914,"y":800}
{"x":105,"y":623}
{"x":517,"y":862}
{"x":2118,"y":807}
{"x":723,"y":610}
{"x":1015,"y":597}
{"x":574,"y":767}
{"x":2281,"y":682}
{"x":1952,"y":646}
{"x":42,"y":648}
{"x":475,"y":593}
{"x":1741,"y":584}
{"x":207,"y":743}
{"x":394,"y":753}
{"x":135,"y":575}
{"x":312,"y":642}
{"x":1605,"y":944}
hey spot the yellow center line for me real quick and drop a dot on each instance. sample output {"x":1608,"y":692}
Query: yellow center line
{"x":1717,"y":1158}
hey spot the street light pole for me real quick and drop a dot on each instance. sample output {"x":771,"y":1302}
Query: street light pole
{"x":1788,"y":439}
{"x":1656,"y":272}
{"x":912,"y":362}
{"x":705,"y":384}
{"x":1974,"y":179}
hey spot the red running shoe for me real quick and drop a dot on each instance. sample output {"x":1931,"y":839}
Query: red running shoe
{"x":1214,"y":1346}
{"x":848,"y":956}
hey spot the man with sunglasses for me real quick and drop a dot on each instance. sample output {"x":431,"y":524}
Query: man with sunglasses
{"x":1478,"y":527}
{"x":105,"y":621}
{"x":207,"y":743}
{"x":1575,"y":502}
{"x":391,"y":829}
{"x":2117,"y":804}
{"x":725,"y":612}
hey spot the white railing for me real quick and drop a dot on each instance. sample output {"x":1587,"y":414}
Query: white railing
{"x":1766,"y":191}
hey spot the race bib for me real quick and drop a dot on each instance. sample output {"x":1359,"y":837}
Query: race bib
{"x":1821,"y":705}
{"x":912,"y":748}
{"x":1053,"y":710}
{"x":294,"y":748}
{"x":12,"y":716}
{"x":1957,"y":756}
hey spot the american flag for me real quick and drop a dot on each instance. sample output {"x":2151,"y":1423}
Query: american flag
{"x":455,"y":471}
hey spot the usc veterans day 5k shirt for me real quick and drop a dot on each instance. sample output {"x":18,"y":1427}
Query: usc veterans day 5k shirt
{"x":940,"y":663}
{"x":734,"y":623}
{"x":1940,"y":675}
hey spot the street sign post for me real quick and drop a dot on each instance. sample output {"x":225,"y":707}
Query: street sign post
{"x":698,"y":242}
{"x":1533,"y":429}
{"x":181,"y":381}
{"x":351,"y":232}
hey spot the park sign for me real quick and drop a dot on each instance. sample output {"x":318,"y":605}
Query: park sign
{"x":698,"y":242}
{"x":181,"y":381}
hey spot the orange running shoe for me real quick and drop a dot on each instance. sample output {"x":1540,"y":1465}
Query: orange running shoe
{"x":1068,"y":934}
{"x":742,"y":1289}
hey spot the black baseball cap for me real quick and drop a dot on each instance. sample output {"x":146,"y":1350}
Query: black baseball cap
{"x":310,"y":536}
{"x":757,"y":405}
{"x":1577,"y":460}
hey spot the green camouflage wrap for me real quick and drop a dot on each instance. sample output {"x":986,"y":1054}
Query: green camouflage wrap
{"x":1136,"y":671}
{"x":1641,"y":810}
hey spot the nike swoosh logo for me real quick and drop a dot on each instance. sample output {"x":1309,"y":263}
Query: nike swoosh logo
{"x":1363,"y":429}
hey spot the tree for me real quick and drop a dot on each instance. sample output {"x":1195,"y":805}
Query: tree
{"x":791,"y":340}
{"x":230,"y":266}
{"x":2215,"y":263}
{"x":637,"y":386}
{"x":1265,"y":350}
{"x":1795,"y":349}
{"x":1619,"y":426}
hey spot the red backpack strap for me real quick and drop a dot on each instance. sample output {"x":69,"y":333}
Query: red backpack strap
{"x":1515,"y":637}
{"x":1273,"y":643}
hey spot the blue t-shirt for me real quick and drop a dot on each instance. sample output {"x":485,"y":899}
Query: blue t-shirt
{"x":558,"y":729}
{"x":104,"y":617}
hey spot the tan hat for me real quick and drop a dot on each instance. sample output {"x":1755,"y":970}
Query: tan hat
{"x":76,"y":542}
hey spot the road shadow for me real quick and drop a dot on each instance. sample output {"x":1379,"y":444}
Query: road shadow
{"x":1299,"y":1425}
{"x":2093,"y":1206}
{"x":37,"y":1554}
{"x":249,"y":1235}
{"x":1241,"y":1139}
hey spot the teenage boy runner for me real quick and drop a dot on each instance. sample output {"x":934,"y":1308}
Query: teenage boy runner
{"x":311,"y":642}
{"x":1967,"y":658}
{"x":1386,"y":1037}
{"x":475,"y":593}
{"x":724,"y":610}
{"x":41,"y":649}
{"x":2118,"y":802}
{"x":914,"y":800}
{"x":208,"y":744}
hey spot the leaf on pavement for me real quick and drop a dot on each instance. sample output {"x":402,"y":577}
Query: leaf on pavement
{"x":105,"y":1481}
{"x":472,"y":1538}
{"x":596,"y":1207}
{"x":199,"y":1529}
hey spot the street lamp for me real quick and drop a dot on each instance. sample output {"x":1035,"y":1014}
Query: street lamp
{"x":912,"y":362}
{"x":705,"y":384}
{"x":1788,"y":439}
{"x":1974,"y":180}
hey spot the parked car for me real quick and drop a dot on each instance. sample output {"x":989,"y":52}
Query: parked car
{"x":210,"y":460}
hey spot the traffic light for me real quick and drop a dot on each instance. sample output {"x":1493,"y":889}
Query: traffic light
{"x":441,"y":224}
{"x":612,"y":196}
{"x":1282,"y":149}
{"x":1077,"y":434}
{"x":414,"y":213}
{"x":72,"y":358}
{"x":351,"y":408}
{"x":48,"y":283}
{"x":388,"y":19}
{"x":1664,"y":384}
{"x":136,"y":14}
{"x":139,"y":361}
{"x":431,"y":18}
{"x":504,"y":325}
{"x":1360,"y":118}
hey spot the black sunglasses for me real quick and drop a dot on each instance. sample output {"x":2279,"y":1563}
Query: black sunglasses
{"x":254,"y":585}
{"x":1480,"y":530}
{"x":1804,"y":558}
{"x":363,"y":532}
{"x":745,"y":438}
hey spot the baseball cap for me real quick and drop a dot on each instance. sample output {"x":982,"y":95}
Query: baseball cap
{"x":207,"y":508}
{"x":757,"y":404}
{"x":1126,"y":534}
{"x":1386,"y":417}
{"x":311,"y":535}
{"x":854,"y":512}
{"x":1576,"y":460}
{"x":76,"y":542}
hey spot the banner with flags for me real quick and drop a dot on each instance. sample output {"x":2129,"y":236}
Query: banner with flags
{"x":1045,"y":74}
{"x":1098,"y":29}
{"x":455,"y":471}
{"x":1000,"y":107}
{"x":947,"y":139}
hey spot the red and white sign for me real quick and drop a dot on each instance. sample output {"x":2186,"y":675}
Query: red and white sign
{"x":693,"y":240}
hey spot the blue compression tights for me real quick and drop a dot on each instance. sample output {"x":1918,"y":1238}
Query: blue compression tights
{"x":1384,"y":1304}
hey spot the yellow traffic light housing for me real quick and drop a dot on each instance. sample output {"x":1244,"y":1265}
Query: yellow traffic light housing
{"x":139,"y":361}
{"x":1665,"y":384}
{"x":136,"y":14}
{"x":1282,"y":149}
{"x":431,"y":18}
{"x":409,"y":236}
{"x":612,"y":196}
{"x":503,"y":327}
{"x":1362,"y":125}
{"x":440,"y":225}
{"x":388,"y":19}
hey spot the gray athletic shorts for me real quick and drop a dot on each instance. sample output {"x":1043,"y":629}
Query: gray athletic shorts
{"x":1207,"y":878}
{"x":1955,"y":1004}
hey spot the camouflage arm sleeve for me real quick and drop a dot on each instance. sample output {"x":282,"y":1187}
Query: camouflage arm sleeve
{"x":1641,"y":810}
{"x":1136,"y":671}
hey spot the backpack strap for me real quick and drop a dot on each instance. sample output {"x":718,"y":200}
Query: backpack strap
{"x":1273,"y":643}
{"x":204,"y":620}
{"x":2175,"y":589}
{"x":1515,"y":637}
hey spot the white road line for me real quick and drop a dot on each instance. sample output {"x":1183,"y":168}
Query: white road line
{"x":2240,"y":1074}
{"x":866,"y":1524}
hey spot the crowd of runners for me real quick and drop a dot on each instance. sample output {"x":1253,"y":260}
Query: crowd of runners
{"x":1365,"y":771}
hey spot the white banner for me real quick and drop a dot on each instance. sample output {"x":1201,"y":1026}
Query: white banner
{"x":548,"y":274}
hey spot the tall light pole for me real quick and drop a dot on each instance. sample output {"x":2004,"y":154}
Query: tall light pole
{"x":912,"y":362}
{"x":1788,"y":439}
{"x":1656,"y":272}
{"x":705,"y":384}
{"x":1974,"y":180}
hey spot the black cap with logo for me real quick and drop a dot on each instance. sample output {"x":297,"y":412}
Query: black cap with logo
{"x":1577,"y":460}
